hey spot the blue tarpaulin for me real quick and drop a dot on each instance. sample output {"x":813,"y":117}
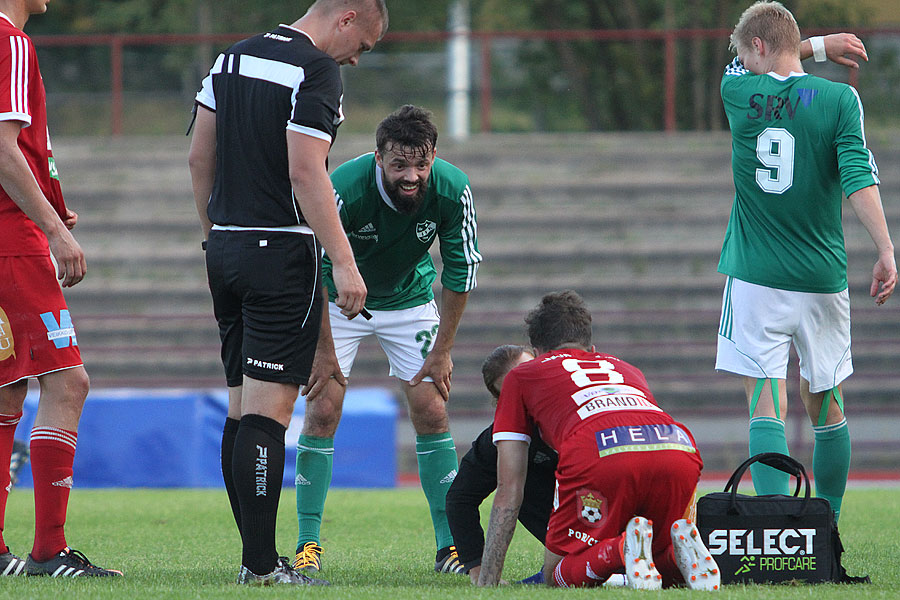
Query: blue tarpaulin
{"x":172,"y":438}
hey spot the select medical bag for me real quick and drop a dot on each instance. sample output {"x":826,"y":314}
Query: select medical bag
{"x":771,"y":538}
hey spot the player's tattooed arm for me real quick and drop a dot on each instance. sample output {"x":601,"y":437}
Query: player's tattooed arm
{"x":501,"y":527}
{"x":512,"y":467}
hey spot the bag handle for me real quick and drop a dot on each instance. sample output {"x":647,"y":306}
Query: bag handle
{"x":783,"y":463}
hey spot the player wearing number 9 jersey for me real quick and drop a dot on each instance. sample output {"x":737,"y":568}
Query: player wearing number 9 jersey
{"x":798,"y":142}
{"x":620,"y":456}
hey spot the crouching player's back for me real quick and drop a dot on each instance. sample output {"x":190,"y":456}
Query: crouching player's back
{"x":620,"y":455}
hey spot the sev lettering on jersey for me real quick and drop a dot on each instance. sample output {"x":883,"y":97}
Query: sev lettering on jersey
{"x":604,"y":398}
{"x":643,"y":438}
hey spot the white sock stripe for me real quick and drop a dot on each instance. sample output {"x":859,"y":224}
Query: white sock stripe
{"x":54,"y":434}
{"x":767,"y":420}
{"x":9,"y":421}
{"x":55,"y":431}
{"x":446,"y":437}
{"x":827,"y":428}
{"x":557,"y":575}
{"x":421,"y":452}
{"x":316,"y":450}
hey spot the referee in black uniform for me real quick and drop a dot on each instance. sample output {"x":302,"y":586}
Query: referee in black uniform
{"x":266,"y":117}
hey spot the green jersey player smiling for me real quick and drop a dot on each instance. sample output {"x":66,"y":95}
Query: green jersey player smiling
{"x":394,"y":203}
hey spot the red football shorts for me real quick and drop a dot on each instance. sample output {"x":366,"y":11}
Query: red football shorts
{"x":606,"y":477}
{"x":36,"y":332}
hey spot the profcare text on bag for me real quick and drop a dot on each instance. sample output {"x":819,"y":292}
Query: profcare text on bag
{"x":772,"y":538}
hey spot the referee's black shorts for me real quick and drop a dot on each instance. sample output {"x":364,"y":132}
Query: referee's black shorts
{"x":267,"y":296}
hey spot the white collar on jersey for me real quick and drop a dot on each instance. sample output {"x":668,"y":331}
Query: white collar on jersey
{"x":2,"y":14}
{"x":785,"y":77}
{"x":299,"y":31}
{"x":379,"y":181}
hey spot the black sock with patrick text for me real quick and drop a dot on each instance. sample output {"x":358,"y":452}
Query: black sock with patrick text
{"x":258,"y":470}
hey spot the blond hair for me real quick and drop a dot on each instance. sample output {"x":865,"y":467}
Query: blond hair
{"x":770,"y":22}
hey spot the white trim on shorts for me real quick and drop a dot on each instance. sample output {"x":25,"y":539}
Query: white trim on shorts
{"x":758,"y":324}
{"x":304,"y":229}
{"x":402,"y":335}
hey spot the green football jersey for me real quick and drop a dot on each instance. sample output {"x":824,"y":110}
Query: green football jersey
{"x":392,"y":249}
{"x":797,"y":143}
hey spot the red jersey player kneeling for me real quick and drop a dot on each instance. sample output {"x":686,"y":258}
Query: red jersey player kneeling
{"x":627,"y":470}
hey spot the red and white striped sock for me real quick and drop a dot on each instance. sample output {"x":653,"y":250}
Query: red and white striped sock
{"x":52,"y":455}
{"x":7,"y":436}
{"x":591,"y":566}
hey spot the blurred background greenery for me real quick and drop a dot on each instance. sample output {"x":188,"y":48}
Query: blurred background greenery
{"x":536,"y":83}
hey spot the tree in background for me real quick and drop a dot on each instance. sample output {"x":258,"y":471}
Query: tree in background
{"x":569,"y":85}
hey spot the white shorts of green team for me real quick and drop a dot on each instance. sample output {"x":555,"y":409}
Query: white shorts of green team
{"x":758,"y":325}
{"x":405,"y":335}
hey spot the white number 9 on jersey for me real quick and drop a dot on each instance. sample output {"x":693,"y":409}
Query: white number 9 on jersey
{"x":775,"y":150}
{"x":592,"y":372}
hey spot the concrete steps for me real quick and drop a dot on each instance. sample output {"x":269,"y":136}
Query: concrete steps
{"x":633,"y":222}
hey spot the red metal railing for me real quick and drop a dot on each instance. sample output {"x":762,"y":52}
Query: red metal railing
{"x":116,"y":43}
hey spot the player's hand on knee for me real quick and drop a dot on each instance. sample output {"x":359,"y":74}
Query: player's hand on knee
{"x":839,"y":47}
{"x":438,"y":366}
{"x":325,"y":369}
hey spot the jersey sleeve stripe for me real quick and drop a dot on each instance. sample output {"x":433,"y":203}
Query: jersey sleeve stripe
{"x":510,"y":436}
{"x":25,"y":75}
{"x":206,"y":96}
{"x":18,"y":80}
{"x":862,"y":132}
{"x":469,"y":234}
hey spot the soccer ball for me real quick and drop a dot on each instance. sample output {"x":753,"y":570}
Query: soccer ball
{"x":591,"y":514}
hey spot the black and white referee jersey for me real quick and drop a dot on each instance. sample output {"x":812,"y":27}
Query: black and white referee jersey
{"x":258,"y":88}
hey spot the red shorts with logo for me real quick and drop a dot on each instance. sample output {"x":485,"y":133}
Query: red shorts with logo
{"x":36,"y":332}
{"x":601,"y":484}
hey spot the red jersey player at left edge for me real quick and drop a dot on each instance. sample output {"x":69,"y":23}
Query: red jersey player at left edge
{"x":627,"y":471}
{"x":37,"y":338}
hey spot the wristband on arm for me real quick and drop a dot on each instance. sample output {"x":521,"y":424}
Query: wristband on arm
{"x":818,"y":47}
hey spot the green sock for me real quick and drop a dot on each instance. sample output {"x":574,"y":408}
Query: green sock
{"x":436,"y":455}
{"x":315,"y":457}
{"x":831,"y":463}
{"x":767,"y":435}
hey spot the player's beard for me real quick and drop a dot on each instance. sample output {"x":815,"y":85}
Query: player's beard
{"x":405,"y":205}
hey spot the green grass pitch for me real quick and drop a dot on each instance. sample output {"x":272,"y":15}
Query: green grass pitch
{"x":378,"y":544}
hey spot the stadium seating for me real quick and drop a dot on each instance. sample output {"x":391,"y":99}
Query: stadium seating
{"x":634,"y":222}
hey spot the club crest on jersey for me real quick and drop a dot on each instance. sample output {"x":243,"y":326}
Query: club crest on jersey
{"x":61,"y":333}
{"x":590,"y":507}
{"x":425,"y":231}
{"x":7,"y":343}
